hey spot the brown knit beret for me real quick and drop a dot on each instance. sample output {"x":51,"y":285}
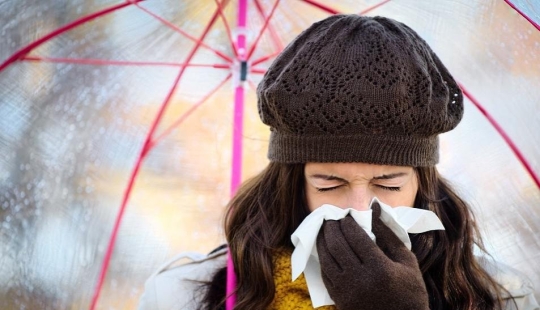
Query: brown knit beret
{"x":352,"y":88}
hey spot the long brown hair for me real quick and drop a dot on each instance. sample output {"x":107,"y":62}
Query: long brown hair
{"x":268,"y":208}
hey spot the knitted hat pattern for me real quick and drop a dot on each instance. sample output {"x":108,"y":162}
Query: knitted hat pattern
{"x":353,"y":88}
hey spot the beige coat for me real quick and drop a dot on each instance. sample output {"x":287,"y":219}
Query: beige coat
{"x":176,"y":286}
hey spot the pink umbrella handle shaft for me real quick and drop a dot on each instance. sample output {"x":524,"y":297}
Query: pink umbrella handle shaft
{"x":238,"y":119}
{"x":231,"y":283}
{"x":236,"y":174}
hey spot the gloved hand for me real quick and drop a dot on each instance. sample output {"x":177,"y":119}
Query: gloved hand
{"x":360,"y":274}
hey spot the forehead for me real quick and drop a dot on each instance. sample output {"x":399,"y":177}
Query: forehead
{"x":353,"y":169}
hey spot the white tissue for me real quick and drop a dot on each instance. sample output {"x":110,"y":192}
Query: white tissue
{"x":401,"y":220}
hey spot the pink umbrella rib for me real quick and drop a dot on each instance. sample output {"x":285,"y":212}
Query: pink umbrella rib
{"x":371,"y":8}
{"x":227,"y":28}
{"x":266,"y":22}
{"x":27,"y":49}
{"x":504,"y":135}
{"x":522,"y":14}
{"x":258,"y":71}
{"x":322,"y":7}
{"x":273,"y":33}
{"x":264,"y":58}
{"x":252,"y":85}
{"x":145,"y":149}
{"x":189,"y":112}
{"x":187,"y":35}
{"x":103,"y":62}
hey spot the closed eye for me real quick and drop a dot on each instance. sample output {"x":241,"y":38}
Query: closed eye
{"x":389,"y":188}
{"x":326,"y":189}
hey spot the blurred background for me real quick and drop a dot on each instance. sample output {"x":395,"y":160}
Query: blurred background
{"x":82,"y":83}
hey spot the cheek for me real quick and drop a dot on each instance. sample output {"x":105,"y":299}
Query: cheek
{"x":357,"y":198}
{"x":403,"y":198}
{"x":315,"y":199}
{"x":406,"y":198}
{"x":407,"y":195}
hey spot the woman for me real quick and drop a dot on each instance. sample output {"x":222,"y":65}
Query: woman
{"x":355,"y":105}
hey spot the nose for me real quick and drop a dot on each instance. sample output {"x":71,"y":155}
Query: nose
{"x":360,"y":198}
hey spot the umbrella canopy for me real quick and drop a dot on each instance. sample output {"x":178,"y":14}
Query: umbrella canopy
{"x":126,"y":125}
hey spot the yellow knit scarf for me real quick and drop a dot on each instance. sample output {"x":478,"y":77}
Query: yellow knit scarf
{"x":290,"y":295}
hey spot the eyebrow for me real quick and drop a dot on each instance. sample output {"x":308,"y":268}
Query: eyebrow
{"x":390,"y":176}
{"x":335,"y":178}
{"x":327,"y":177}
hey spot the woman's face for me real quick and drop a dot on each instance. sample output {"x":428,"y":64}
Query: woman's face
{"x":353,"y":185}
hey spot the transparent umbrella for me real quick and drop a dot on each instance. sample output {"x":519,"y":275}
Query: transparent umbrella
{"x":126,"y":125}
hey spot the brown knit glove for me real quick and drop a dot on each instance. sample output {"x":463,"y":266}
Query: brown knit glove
{"x":360,"y":274}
